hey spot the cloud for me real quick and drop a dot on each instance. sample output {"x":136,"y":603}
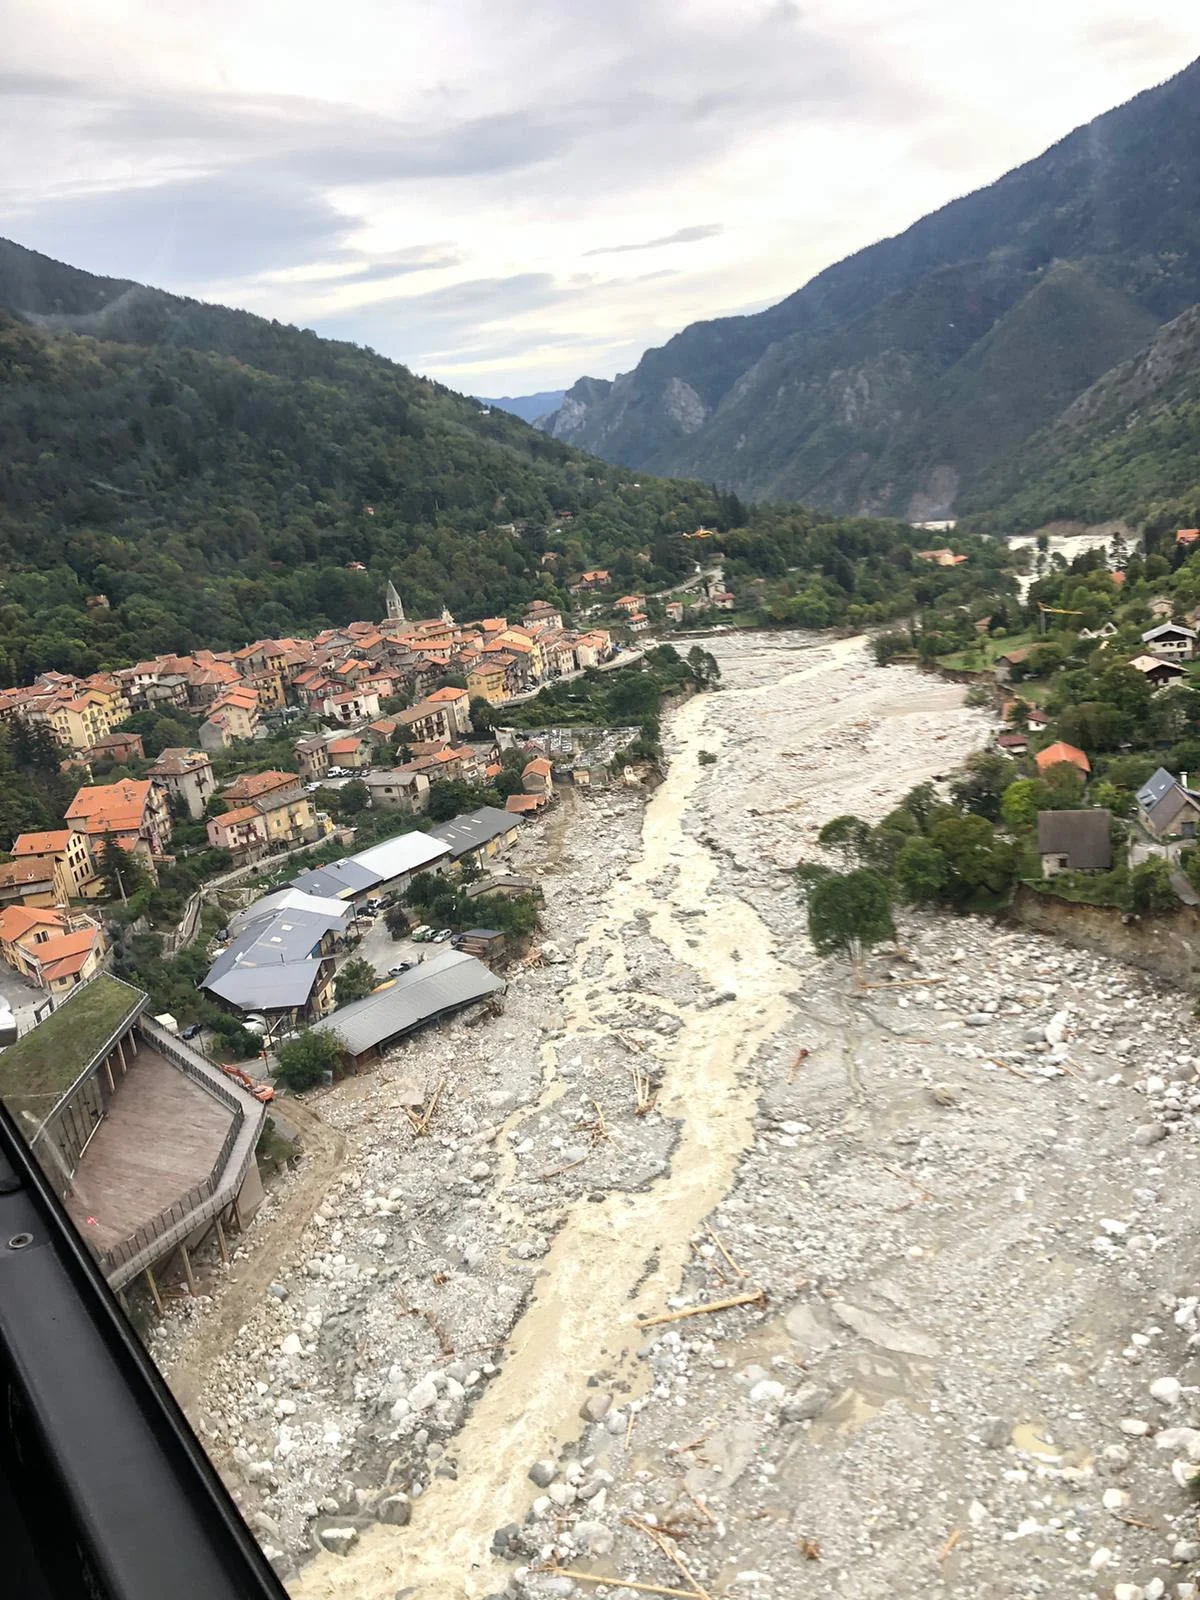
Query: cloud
{"x":704,"y":230}
{"x":189,"y":231}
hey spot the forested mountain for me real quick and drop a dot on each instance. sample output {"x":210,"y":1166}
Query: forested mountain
{"x":218,"y":477}
{"x":1129,"y":447}
{"x":892,"y":381}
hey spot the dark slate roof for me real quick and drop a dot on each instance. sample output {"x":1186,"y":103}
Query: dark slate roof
{"x":1082,"y":836}
{"x":1154,"y":788}
{"x":443,"y":982}
{"x":475,"y":829}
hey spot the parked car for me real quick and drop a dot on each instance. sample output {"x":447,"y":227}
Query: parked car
{"x":401,"y":968}
{"x":191,"y":1031}
{"x":441,"y":936}
{"x":420,"y":934}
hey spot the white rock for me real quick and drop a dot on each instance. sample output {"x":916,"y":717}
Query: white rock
{"x":423,"y":1395}
{"x":291,"y":1345}
{"x":1129,"y":1591}
{"x":1114,"y":1499}
{"x":1135,"y":1427}
{"x":1166,"y":1390}
{"x":1101,"y":1558}
{"x":767,"y":1392}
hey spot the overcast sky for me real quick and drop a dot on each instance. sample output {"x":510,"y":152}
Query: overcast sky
{"x":509,"y":193}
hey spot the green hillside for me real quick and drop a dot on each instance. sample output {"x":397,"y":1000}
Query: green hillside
{"x":1128,"y":447}
{"x":216,"y":475}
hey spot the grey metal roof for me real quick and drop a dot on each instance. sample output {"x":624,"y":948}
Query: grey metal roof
{"x":266,"y":988}
{"x":287,"y":936}
{"x":1084,"y":837}
{"x":1154,"y":788}
{"x":338,"y":881}
{"x":339,"y":911}
{"x":442,"y":982}
{"x":271,"y":962}
{"x":475,"y":829}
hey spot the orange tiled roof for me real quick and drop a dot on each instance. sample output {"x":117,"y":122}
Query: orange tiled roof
{"x":116,"y":806}
{"x":1058,"y":752}
{"x":41,"y":844}
{"x":16,"y":920}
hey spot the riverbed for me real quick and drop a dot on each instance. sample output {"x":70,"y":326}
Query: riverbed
{"x":692,"y":1108}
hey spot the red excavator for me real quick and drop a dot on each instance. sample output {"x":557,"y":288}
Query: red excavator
{"x":260,"y":1091}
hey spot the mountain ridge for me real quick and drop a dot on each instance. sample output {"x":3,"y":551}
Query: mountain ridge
{"x":1118,"y":199}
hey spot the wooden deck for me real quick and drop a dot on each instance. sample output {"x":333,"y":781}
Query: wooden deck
{"x":159,"y":1139}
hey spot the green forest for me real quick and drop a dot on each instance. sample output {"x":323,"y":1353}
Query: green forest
{"x":218,"y":478}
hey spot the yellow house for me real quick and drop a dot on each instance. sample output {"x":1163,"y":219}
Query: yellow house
{"x":70,"y":852}
{"x":486,"y":682}
{"x":289,"y":816}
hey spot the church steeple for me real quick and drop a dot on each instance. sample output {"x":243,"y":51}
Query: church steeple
{"x":395,"y":606}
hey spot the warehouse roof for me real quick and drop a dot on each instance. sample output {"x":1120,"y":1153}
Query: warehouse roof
{"x":442,"y":982}
{"x":338,"y":911}
{"x":407,"y":852}
{"x":475,"y":829}
{"x":338,"y":881}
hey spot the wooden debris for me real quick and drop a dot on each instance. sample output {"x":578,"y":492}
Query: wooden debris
{"x":1016,"y":1071}
{"x":420,"y":1125}
{"x":733,"y":1266}
{"x":1136,"y":1522}
{"x":810,"y":1549}
{"x":955,"y":1536}
{"x":646,"y":1095}
{"x":692,"y":1444}
{"x":598,"y":1128}
{"x":903,"y":1176}
{"x":756,"y":1297}
{"x":902,"y":983}
{"x":700,"y":1506}
{"x":658,"y":1538}
{"x":801,"y":1056}
{"x":557,"y":1172}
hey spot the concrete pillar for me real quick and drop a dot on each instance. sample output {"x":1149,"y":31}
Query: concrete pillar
{"x":154,"y":1294}
{"x":187,"y":1268}
{"x":121,"y":1054}
{"x":237,"y":1217}
{"x":224,"y":1248}
{"x":108,"y":1073}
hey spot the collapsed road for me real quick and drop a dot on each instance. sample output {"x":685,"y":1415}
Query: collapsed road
{"x":954,"y":1207}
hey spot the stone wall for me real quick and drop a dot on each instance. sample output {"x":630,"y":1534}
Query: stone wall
{"x":1167,"y":944}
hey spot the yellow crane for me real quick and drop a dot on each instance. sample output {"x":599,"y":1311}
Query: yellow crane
{"x":1057,"y":611}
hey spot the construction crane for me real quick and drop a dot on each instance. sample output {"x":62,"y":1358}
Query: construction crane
{"x":1057,"y":611}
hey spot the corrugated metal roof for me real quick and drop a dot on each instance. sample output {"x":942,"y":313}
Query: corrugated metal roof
{"x":291,"y":900}
{"x":443,"y":982}
{"x":266,"y":988}
{"x":338,"y":881}
{"x":475,"y":829}
{"x":407,"y":852}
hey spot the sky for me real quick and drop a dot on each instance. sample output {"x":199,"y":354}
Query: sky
{"x":507,"y":195}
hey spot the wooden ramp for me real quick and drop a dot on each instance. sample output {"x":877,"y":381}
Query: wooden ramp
{"x":160,"y":1138}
